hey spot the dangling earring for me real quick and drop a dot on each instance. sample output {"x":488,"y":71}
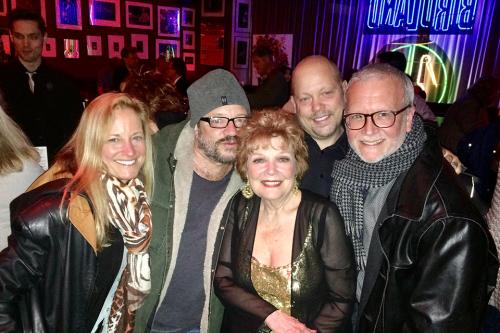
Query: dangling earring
{"x":295,"y":188}
{"x":247,"y":191}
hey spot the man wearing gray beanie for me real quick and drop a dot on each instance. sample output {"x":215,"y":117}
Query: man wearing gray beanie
{"x":194,"y":180}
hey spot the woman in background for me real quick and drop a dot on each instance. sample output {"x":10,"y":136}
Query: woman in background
{"x":79,"y":258}
{"x":18,"y":168}
{"x":285,"y":264}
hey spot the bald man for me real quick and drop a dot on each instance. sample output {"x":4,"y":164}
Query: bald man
{"x":318,"y":99}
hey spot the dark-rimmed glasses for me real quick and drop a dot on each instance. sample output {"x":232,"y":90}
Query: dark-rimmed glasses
{"x":222,"y":122}
{"x":381,"y":119}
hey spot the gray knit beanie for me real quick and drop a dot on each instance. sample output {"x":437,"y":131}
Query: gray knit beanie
{"x":215,"y":89}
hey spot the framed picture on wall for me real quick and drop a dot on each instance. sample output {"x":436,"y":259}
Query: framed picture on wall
{"x":167,"y":48}
{"x":187,"y":17}
{"x":189,"y":60}
{"x":115,"y":46}
{"x":69,"y":14}
{"x":43,"y":10}
{"x":3,"y":7}
{"x":213,"y":8}
{"x":169,"y":21}
{"x":94,"y":46}
{"x":241,"y":50}
{"x":71,"y":49}
{"x":139,"y":15}
{"x":49,"y":50}
{"x":188,"y":39}
{"x":242,"y":16}
{"x":140,"y":42}
{"x":104,"y":13}
{"x":5,"y":40}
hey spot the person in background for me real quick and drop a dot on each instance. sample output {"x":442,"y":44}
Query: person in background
{"x":398,"y":60}
{"x":42,"y":101}
{"x":194,"y":180}
{"x":273,"y":90}
{"x":423,"y":252}
{"x":130,"y":66}
{"x":285,"y":264}
{"x":176,"y":75}
{"x":77,"y":259}
{"x":164,"y":104}
{"x":18,"y":168}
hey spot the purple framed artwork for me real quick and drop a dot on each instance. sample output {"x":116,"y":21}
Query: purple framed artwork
{"x":187,"y":17}
{"x":167,"y":48}
{"x":242,"y":16}
{"x":104,"y":13}
{"x":115,"y":46}
{"x":140,"y":42}
{"x":189,"y":60}
{"x":139,"y":15}
{"x":188,"y":39}
{"x":69,"y":14}
{"x":94,"y":46}
{"x":169,"y":21}
{"x":241,"y":49}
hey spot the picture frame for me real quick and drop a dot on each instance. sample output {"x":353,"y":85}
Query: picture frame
{"x":140,"y":42}
{"x":6,"y":44}
{"x":69,"y":14}
{"x":139,"y":15}
{"x":242,"y":16}
{"x":213,"y":8}
{"x":188,"y":39}
{"x":94,"y":46}
{"x":169,"y":21}
{"x":71,"y":48}
{"x":169,"y":46}
{"x":3,"y":7}
{"x":241,"y":49}
{"x":49,"y":49}
{"x":190,"y":61}
{"x":13,"y":4}
{"x":188,"y":17}
{"x":104,"y":13}
{"x":115,"y":45}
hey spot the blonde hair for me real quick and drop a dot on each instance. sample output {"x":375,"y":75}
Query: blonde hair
{"x":82,"y":155}
{"x":14,"y":146}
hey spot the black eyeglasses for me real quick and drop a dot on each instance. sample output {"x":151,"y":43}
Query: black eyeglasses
{"x":222,"y":122}
{"x":381,"y":119}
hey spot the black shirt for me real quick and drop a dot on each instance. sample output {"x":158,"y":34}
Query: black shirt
{"x":318,"y":178}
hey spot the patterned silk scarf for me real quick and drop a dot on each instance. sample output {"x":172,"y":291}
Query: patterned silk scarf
{"x":129,"y":212}
{"x":352,"y":178}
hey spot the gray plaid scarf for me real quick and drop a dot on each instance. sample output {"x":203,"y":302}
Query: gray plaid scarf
{"x":352,"y":178}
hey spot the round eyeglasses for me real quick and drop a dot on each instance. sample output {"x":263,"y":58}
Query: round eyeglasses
{"x":381,"y":119}
{"x":222,"y":122}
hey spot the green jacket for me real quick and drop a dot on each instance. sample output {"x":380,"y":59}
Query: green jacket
{"x":173,"y":147}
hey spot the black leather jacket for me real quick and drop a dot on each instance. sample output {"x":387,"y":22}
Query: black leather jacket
{"x":51,"y":280}
{"x":433,"y":265}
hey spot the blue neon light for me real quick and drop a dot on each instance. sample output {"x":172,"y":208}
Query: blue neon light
{"x":412,"y":16}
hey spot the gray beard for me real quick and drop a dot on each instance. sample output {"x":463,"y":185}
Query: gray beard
{"x":211,"y":150}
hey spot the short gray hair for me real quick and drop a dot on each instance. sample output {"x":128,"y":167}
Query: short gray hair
{"x":381,"y":70}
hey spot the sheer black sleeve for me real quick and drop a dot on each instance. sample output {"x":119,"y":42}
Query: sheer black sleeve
{"x":337,"y":256}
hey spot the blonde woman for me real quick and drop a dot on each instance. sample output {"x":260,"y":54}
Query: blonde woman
{"x":79,"y":258}
{"x":18,"y":169}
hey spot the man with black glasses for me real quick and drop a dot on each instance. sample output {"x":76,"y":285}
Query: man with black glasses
{"x":194,"y":180}
{"x":425,"y":258}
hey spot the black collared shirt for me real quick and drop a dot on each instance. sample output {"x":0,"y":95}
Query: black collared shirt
{"x":318,"y":178}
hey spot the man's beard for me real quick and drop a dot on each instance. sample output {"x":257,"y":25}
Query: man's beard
{"x":211,"y":149}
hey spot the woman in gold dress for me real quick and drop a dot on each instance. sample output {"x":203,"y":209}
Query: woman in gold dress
{"x":285,"y":263}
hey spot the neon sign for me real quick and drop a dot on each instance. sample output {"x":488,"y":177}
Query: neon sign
{"x":412,"y":16}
